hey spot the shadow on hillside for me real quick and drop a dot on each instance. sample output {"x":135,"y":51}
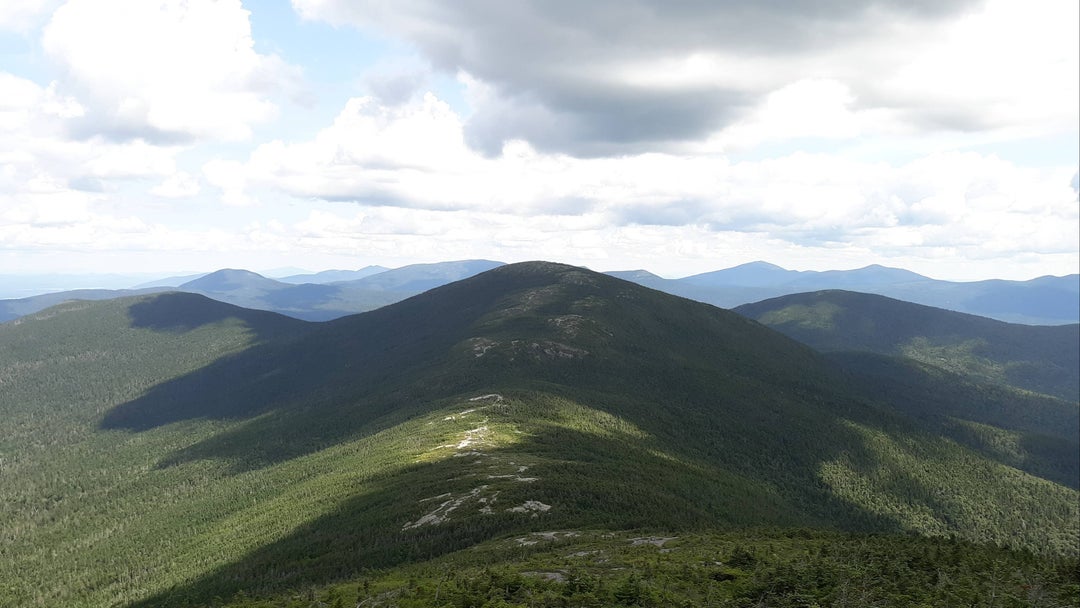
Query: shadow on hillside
{"x":180,"y":312}
{"x":728,"y":461}
{"x":332,"y":369}
{"x":241,"y":384}
{"x":1028,"y":431}
{"x":304,"y":367}
{"x":589,"y":481}
{"x":251,"y":382}
{"x":741,"y":421}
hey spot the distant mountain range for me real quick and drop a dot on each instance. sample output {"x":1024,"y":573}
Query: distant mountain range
{"x":325,"y":296}
{"x":336,"y":293}
{"x":536,"y":419}
{"x":333,"y":276}
{"x":1041,"y":301}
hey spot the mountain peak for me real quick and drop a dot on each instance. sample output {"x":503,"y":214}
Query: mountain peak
{"x":759,"y":265}
{"x":751,"y":274}
{"x":229,"y":278}
{"x":537,"y":267}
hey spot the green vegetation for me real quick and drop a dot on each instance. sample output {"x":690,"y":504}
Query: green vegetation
{"x":967,"y":378}
{"x":792,"y":567}
{"x":169,"y":450}
{"x":1043,"y":359}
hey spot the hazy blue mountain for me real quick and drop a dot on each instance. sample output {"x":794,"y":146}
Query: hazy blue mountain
{"x":18,"y":307}
{"x":308,"y":301}
{"x":416,"y":278}
{"x":332,"y":276}
{"x":764,"y":274}
{"x":325,"y":301}
{"x":639,"y":276}
{"x":752,"y":274}
{"x":724,"y":297}
{"x":860,"y":278}
{"x":1043,"y":301}
{"x":17,"y":286}
{"x":172,"y":281}
{"x":322,"y":296}
{"x":232,"y":281}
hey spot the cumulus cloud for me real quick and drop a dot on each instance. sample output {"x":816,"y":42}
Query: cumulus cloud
{"x":62,"y":193}
{"x":625,"y":77}
{"x":34,"y":148}
{"x":396,"y":82}
{"x":595,"y":131}
{"x":168,"y":72}
{"x":414,"y":157}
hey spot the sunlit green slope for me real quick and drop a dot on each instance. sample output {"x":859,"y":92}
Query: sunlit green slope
{"x":168,"y":449}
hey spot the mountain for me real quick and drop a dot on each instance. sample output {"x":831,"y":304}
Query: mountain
{"x":1044,"y":359}
{"x":1042,"y":301}
{"x":416,"y":278}
{"x":237,"y":283}
{"x":19,"y":286}
{"x":974,"y":379}
{"x":165,"y":450}
{"x":1045,"y":300}
{"x":640,"y":276}
{"x":753,"y":274}
{"x":332,"y":276}
{"x":13,"y":309}
{"x":326,"y":299}
{"x":868,"y":277}
{"x":173,"y":281}
{"x":763,"y":274}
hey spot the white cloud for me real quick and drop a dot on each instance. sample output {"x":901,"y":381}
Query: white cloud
{"x":230,"y":177}
{"x":177,"y":185}
{"x":34,"y":148}
{"x":612,"y":78}
{"x":411,"y":173}
{"x":1007,"y":66}
{"x":22,"y":15}
{"x":600,"y":134}
{"x":808,"y":108}
{"x":166,"y":71}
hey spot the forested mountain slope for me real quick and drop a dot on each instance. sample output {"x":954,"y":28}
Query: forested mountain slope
{"x":168,"y":449}
{"x":1044,"y":359}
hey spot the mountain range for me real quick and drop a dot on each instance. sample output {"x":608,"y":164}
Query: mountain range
{"x":1043,"y":301}
{"x":535,"y":434}
{"x":335,"y":293}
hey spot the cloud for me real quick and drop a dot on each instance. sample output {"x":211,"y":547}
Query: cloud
{"x":805,"y":109}
{"x":39,"y":162}
{"x":608,"y":78}
{"x":167,"y":72}
{"x":22,"y":15}
{"x":396,"y":82}
{"x":413,"y":157}
{"x":177,"y":185}
{"x":607,"y":133}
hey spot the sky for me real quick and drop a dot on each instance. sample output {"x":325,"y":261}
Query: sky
{"x":941,"y":136}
